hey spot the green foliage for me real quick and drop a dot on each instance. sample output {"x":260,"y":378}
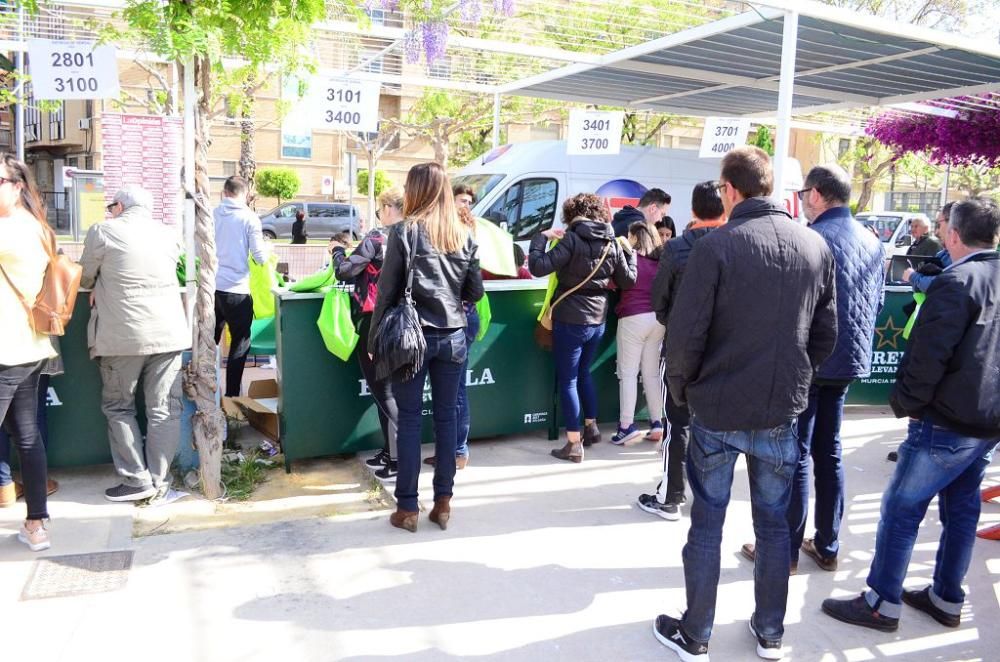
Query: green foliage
{"x":241,"y":477}
{"x":382,"y":182}
{"x":763,"y":140}
{"x":280,"y":183}
{"x":854,"y":208}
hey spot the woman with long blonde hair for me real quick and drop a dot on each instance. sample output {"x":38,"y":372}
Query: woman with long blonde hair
{"x":445,"y":267}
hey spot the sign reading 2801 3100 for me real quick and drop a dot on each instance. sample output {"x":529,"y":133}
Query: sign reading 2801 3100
{"x":72,"y":69}
{"x":344,"y":103}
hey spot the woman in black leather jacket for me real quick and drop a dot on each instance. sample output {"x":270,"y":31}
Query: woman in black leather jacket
{"x":445,"y":273}
{"x":578,"y":320}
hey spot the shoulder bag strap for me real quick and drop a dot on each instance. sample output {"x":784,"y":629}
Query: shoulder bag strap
{"x":410,"y":259}
{"x":604,"y":256}
{"x":16,"y":291}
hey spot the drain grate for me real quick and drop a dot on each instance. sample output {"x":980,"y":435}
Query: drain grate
{"x":78,"y":574}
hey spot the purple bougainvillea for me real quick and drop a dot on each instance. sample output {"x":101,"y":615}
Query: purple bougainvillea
{"x":972,"y":138}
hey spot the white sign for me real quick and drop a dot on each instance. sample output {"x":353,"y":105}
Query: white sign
{"x":67,"y":176}
{"x":326,"y":185}
{"x":344,"y":103}
{"x":594,"y":132}
{"x":72,"y":69}
{"x":722,"y":135}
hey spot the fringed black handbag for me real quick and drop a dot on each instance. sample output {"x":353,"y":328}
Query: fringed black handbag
{"x":400,"y":346}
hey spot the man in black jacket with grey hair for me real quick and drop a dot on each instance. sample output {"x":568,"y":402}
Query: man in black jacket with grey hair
{"x":948,"y":384}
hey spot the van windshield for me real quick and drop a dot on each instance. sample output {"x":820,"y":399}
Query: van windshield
{"x":884,"y":225}
{"x":482,"y":184}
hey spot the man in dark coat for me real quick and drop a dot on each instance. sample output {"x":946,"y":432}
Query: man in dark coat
{"x":653,"y":206}
{"x":949,"y":387}
{"x":924,"y":243}
{"x":756,"y":314}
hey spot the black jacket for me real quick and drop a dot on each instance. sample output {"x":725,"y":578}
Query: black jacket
{"x":673,"y":260}
{"x":441,"y":281}
{"x":625,"y":217}
{"x":950,"y":372}
{"x":354,"y":269}
{"x":928,"y":246}
{"x":754,"y":317}
{"x":299,"y":234}
{"x":573,"y":259}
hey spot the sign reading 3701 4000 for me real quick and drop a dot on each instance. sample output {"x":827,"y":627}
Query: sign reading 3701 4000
{"x":344,"y":103}
{"x":72,"y":69}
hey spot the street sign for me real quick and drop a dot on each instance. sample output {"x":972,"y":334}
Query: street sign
{"x":722,"y":135}
{"x":344,"y":103}
{"x":326,"y":185}
{"x":72,"y":69}
{"x":67,"y":176}
{"x":594,"y":132}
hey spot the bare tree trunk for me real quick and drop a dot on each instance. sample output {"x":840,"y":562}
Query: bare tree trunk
{"x":201,"y":384}
{"x":248,"y":137}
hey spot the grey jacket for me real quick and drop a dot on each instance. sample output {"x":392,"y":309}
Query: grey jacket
{"x":131,"y":264}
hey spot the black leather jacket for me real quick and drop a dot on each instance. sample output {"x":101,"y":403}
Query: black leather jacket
{"x":441,"y":282}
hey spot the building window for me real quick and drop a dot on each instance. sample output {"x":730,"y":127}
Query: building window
{"x":441,"y":68}
{"x":229,"y":168}
{"x":843,"y":147}
{"x":32,"y":116}
{"x":57,"y":123}
{"x":377,"y":16}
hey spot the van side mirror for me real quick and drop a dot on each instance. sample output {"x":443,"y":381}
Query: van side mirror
{"x":905,"y":240}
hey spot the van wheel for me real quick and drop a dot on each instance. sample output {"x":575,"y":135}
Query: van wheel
{"x":268,"y":234}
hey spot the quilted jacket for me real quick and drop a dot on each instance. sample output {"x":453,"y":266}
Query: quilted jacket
{"x":860,"y":267}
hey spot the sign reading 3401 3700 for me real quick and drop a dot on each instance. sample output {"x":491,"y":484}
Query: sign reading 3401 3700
{"x":343,"y":103}
{"x":72,"y":69}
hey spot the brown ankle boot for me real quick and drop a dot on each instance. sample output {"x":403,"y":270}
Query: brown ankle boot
{"x":8,"y":496}
{"x":572,"y":452}
{"x":441,"y":512}
{"x":404,"y":519}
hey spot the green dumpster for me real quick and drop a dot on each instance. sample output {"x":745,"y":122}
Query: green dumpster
{"x":887,"y":350}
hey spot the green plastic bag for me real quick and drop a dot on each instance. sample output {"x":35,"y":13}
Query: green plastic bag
{"x":182,"y":269}
{"x":335,"y":324}
{"x":485,"y":315}
{"x":496,"y":249}
{"x":919,"y":297}
{"x":317,"y":281}
{"x":262,"y":281}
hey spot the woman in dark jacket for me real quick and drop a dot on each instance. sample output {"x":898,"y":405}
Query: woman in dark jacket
{"x":578,"y":319}
{"x":445,"y":273}
{"x":362,"y":268}
{"x":299,"y":234}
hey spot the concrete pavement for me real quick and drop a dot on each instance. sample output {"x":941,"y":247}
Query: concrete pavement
{"x":543,"y":560}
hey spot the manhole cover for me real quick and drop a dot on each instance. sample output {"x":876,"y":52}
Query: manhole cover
{"x":78,"y":574}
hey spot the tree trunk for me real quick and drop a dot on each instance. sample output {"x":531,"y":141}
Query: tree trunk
{"x":248,"y":136}
{"x":201,"y":383}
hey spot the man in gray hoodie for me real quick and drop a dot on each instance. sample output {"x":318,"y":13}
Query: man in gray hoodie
{"x":237,"y":236}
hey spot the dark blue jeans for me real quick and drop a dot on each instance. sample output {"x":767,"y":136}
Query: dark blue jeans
{"x":43,"y":430}
{"x":446,"y":355}
{"x":771,"y":459}
{"x":574,"y":347}
{"x":819,"y":438}
{"x":464,"y":416}
{"x":19,"y":411}
{"x":932,"y":461}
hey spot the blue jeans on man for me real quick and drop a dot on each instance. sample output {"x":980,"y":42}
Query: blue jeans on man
{"x":464,"y":415}
{"x":819,"y":439}
{"x":574,"y":347}
{"x":933,"y":460}
{"x":444,"y":360}
{"x":772,"y":455}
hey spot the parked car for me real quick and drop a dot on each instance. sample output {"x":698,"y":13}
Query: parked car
{"x":323,"y":220}
{"x":893,"y":228}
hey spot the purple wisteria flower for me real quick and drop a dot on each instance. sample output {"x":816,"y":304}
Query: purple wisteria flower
{"x":969,"y":139}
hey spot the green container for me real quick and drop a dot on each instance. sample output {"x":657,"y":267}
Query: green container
{"x":887,"y":350}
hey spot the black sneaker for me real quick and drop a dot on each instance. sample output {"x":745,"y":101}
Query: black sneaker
{"x":389,"y":471}
{"x":378,"y":460}
{"x":668,"y":511}
{"x":857,"y":612}
{"x":591,"y":434}
{"x":768,"y":649}
{"x":668,"y":631}
{"x":126,"y":493}
{"x":922,"y":600}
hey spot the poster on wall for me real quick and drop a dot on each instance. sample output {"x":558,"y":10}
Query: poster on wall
{"x":296,"y":136}
{"x":146,"y":150}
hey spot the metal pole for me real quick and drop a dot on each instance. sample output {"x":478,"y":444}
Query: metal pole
{"x":945,"y":184}
{"x":190,"y":99}
{"x":496,"y":120}
{"x":786,"y":86}
{"x":19,"y":107}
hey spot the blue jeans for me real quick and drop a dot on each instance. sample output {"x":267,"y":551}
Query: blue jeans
{"x":771,"y":459}
{"x":574,"y":347}
{"x":43,"y":430}
{"x":932,"y":461}
{"x":446,"y":354}
{"x":464,"y":416}
{"x":18,"y":413}
{"x":819,"y":438}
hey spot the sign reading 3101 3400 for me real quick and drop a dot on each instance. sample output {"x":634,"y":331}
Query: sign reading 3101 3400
{"x":347,"y":104}
{"x":72,"y":69}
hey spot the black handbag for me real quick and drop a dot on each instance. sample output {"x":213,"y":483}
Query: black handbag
{"x":400,"y":345}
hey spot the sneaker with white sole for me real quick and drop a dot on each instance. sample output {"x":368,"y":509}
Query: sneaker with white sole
{"x":668,"y":631}
{"x":625,"y":434}
{"x":379,"y":459}
{"x":36,"y":540}
{"x":767,"y":649}
{"x":125,"y":492}
{"x":389,"y":471}
{"x":655,"y":433}
{"x":668,"y":511}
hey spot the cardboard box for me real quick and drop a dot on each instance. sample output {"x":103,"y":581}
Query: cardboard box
{"x":260,"y":406}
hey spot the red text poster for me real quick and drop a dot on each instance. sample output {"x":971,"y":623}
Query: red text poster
{"x":146,"y":150}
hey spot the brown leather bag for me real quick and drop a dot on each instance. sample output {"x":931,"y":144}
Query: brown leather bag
{"x":54,"y":304}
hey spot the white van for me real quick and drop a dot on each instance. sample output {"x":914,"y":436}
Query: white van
{"x":893,"y":228}
{"x":522,"y":187}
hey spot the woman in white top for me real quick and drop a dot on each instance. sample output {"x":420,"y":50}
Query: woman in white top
{"x":23,"y":261}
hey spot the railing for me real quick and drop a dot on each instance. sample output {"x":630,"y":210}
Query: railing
{"x":57,"y":210}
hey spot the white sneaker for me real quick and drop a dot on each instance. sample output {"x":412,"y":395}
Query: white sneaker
{"x":36,"y":540}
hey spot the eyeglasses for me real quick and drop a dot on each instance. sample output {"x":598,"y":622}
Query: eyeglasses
{"x":4,"y":180}
{"x":802,"y":194}
{"x":111,"y":206}
{"x":721,"y":187}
